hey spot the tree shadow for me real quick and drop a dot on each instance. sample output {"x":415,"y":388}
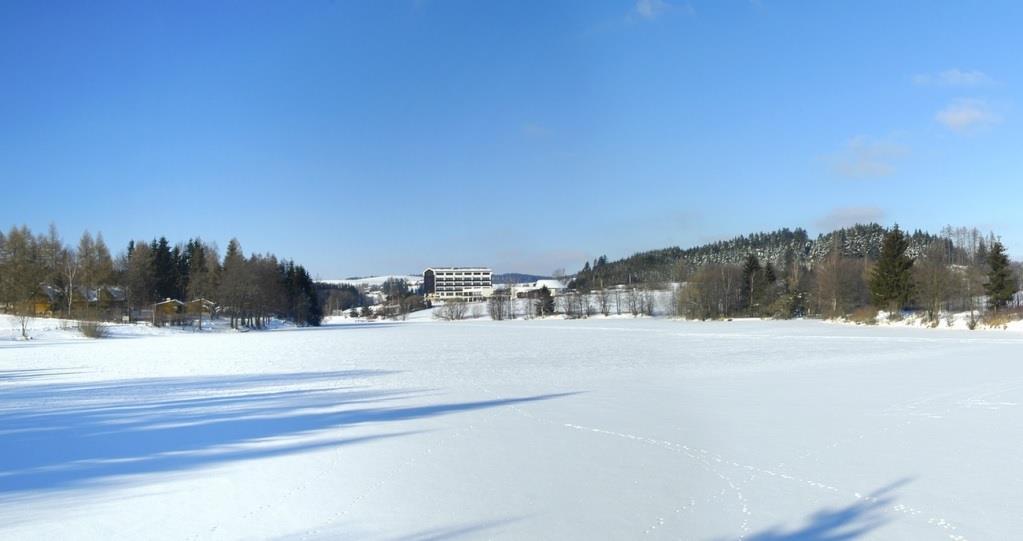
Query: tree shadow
{"x":10,"y":376}
{"x":338,"y":326}
{"x":61,"y":436}
{"x":474,"y":529}
{"x":841,"y":524}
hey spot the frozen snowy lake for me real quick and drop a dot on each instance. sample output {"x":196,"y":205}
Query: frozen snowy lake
{"x":594,"y":429}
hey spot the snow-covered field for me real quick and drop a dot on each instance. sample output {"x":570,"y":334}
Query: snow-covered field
{"x":591,"y":429}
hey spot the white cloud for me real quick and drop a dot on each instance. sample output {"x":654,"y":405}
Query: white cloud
{"x":849,"y":216}
{"x":967,"y":115}
{"x":652,"y":9}
{"x":862,"y":157}
{"x":649,"y":9}
{"x":953,"y":77}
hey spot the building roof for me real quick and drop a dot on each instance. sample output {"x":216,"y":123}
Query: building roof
{"x":87,"y":293}
{"x":52,"y":293}
{"x":462,"y":269}
{"x":202,"y":301}
{"x":168,"y":301}
{"x":117,"y":293}
{"x":549,"y":284}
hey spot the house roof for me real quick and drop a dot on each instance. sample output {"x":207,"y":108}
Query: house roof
{"x":203,"y":301}
{"x":116,"y":293}
{"x":168,"y":301}
{"x":460,"y":269}
{"x":50,"y":292}
{"x":87,"y":293}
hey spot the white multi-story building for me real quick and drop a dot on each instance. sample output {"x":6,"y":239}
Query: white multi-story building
{"x":458,"y":283}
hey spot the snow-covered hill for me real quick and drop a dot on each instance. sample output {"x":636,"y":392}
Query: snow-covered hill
{"x":377,"y":281}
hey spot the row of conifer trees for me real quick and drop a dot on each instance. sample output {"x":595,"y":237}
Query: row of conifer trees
{"x":250,"y":289}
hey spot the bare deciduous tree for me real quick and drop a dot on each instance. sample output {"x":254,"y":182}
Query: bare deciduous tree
{"x":933,"y":279}
{"x":21,"y":268}
{"x":604,"y":301}
{"x":452,"y":310}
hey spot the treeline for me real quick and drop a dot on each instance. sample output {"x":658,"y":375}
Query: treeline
{"x":786,"y":274}
{"x":36,"y":269}
{"x":783,"y":248}
{"x":399,"y":299}
{"x":337,"y":298}
{"x":944,"y":277}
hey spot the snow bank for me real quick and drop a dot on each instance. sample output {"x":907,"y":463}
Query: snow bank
{"x":56,"y":329}
{"x":955,"y":321}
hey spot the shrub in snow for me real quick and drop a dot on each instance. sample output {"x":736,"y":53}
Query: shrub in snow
{"x":866,"y":315}
{"x":92,"y":329}
{"x":452,"y":310}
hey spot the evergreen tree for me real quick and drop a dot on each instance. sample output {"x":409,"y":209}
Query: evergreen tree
{"x":1001,"y":284}
{"x":203,"y":271}
{"x":891,"y":283}
{"x":394,"y":289}
{"x":165,"y":269}
{"x":311,"y":312}
{"x":139,"y":275}
{"x":752,"y":284}
{"x":233,"y":278}
{"x":182,"y":264}
{"x":982,"y":252}
{"x":546,"y":305}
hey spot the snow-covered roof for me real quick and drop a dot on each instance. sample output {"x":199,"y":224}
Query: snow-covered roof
{"x":87,"y":293}
{"x":203,"y":301}
{"x":168,"y":301}
{"x":459,"y":269}
{"x":117,"y":293}
{"x":51,"y":292}
{"x":539,"y":284}
{"x":550,"y":284}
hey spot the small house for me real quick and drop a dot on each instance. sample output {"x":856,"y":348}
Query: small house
{"x":169,"y":312}
{"x":198,"y":309}
{"x":529,"y":290}
{"x":46,"y":301}
{"x":110,"y":302}
{"x":200,"y":306}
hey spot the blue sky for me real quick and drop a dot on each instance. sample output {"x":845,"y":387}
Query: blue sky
{"x":374,"y":137}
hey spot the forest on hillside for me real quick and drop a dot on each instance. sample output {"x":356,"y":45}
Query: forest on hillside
{"x":785,"y":273}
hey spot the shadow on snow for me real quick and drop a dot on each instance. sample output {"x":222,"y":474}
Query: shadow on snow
{"x":842,"y":524}
{"x":78,"y":435}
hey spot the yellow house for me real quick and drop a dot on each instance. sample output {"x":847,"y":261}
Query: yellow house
{"x":46,"y":301}
{"x":200,"y":306}
{"x":168,"y":311}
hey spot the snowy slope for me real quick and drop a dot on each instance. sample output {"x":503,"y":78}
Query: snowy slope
{"x":593,"y":429}
{"x":53,"y":329}
{"x":370,"y":281}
